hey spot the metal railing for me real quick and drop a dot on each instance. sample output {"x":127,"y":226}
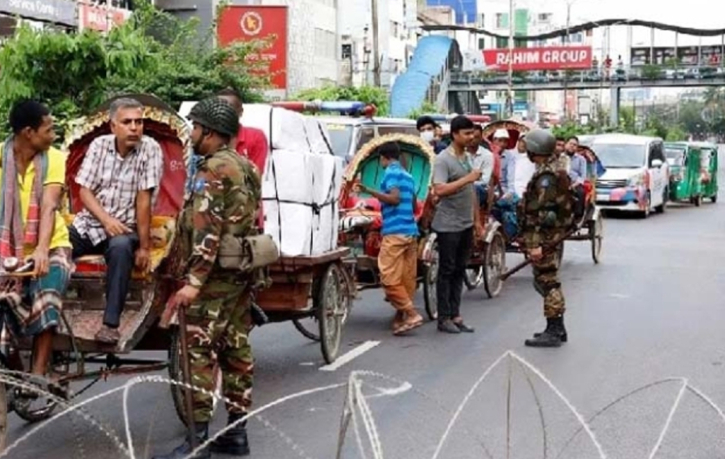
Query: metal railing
{"x":620,"y":74}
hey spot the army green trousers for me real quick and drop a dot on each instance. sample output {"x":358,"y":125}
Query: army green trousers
{"x":218,"y":325}
{"x":547,"y":284}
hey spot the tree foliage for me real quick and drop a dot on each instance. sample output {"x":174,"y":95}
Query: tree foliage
{"x":367,"y":94}
{"x":153,"y":53}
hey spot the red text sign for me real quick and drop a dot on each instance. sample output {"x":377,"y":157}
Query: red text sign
{"x":547,"y":58}
{"x":246,"y":23}
{"x":101,"y":18}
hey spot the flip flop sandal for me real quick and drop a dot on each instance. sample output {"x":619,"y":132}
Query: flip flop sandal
{"x":408,"y":327}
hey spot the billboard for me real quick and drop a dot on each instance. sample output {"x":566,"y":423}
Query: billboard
{"x":545,"y":58}
{"x":100,"y":18}
{"x":54,"y":11}
{"x":246,"y":23}
{"x":685,"y":55}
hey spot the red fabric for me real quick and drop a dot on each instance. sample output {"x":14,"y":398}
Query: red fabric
{"x":252,"y":144}
{"x":171,"y":193}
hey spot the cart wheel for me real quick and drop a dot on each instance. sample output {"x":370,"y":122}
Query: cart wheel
{"x":331,"y":302}
{"x":430,"y":277}
{"x":303,"y":328}
{"x":494,"y":265}
{"x":176,"y":374}
{"x":474,"y":278}
{"x":596,"y":235}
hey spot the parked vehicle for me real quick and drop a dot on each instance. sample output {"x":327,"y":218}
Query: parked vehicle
{"x":637,"y":177}
{"x":685,"y":162}
{"x":708,"y":169}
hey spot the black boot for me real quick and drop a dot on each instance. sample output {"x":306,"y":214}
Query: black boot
{"x":562,"y":331}
{"x":234,"y":441}
{"x":183,"y":450}
{"x":551,"y":337}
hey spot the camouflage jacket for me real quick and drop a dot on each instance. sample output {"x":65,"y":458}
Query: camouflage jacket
{"x":546,"y":212}
{"x":224,"y":198}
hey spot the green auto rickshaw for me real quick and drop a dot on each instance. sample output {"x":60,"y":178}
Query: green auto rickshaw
{"x":685,"y":161}
{"x":708,"y":169}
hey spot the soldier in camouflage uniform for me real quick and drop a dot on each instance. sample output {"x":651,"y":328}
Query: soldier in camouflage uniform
{"x":224,"y":198}
{"x":546,"y":217}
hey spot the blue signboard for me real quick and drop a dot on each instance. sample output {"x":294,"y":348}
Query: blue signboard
{"x":521,"y":106}
{"x":466,"y":10}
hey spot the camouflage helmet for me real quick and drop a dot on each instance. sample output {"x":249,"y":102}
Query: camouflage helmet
{"x":217,"y":115}
{"x":540,"y":142}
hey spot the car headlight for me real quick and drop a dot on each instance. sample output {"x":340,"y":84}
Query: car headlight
{"x":636,"y":181}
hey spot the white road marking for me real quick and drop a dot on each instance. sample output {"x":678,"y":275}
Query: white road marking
{"x":348,"y":356}
{"x":618,"y":295}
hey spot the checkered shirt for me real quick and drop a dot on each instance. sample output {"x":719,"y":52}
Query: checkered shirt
{"x":115,"y":181}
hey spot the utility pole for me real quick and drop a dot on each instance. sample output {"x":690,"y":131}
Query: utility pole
{"x":569,"y":3}
{"x":376,"y":44}
{"x":510,"y":95}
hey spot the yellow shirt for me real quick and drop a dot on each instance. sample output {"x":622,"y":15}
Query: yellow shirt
{"x":56,"y":175}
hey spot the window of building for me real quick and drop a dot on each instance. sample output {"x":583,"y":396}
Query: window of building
{"x":502,"y":43}
{"x":481,"y":43}
{"x":325,"y":44}
{"x":502,"y":20}
{"x":482,"y":21}
{"x":544,"y":17}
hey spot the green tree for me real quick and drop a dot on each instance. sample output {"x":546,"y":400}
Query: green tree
{"x":367,"y":94}
{"x":151,"y":53}
{"x":427,"y":107}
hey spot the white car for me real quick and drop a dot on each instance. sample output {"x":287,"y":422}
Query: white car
{"x":637,"y":177}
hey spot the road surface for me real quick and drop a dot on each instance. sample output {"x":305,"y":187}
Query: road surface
{"x":653,"y":309}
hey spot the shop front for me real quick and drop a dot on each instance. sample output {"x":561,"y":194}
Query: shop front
{"x":60,"y":14}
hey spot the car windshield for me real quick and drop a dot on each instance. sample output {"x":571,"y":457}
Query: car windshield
{"x":620,"y":155}
{"x":674,"y":155}
{"x":340,"y":138}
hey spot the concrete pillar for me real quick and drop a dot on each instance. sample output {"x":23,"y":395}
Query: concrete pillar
{"x":615,"y":94}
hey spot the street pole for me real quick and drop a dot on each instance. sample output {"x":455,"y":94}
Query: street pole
{"x":376,"y":45}
{"x":510,"y":97}
{"x":566,"y":79}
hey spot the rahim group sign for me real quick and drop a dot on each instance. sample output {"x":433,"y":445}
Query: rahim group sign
{"x":544,"y":58}
{"x":247,"y":23}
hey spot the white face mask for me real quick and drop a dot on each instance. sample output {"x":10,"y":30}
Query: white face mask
{"x":427,"y":136}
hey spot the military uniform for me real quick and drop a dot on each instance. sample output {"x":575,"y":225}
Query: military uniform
{"x":546,"y":216}
{"x":224,"y":199}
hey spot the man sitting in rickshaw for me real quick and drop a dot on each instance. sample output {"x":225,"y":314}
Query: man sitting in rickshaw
{"x":517,"y":171}
{"x":32,"y":174}
{"x":481,"y":159}
{"x":118,"y":178}
{"x":577,"y":174}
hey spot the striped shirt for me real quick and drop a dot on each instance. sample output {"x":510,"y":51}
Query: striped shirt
{"x":115,"y":181}
{"x":399,"y":219}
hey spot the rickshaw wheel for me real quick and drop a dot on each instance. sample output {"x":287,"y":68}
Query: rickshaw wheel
{"x":596,"y":235}
{"x":494,"y":265}
{"x":175,"y":374}
{"x":430,"y":278}
{"x":331,"y":303}
{"x":307,"y":333}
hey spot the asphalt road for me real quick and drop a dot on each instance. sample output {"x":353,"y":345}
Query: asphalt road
{"x":653,"y":309}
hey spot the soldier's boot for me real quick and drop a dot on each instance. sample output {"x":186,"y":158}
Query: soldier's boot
{"x":562,"y":331}
{"x":234,"y":441}
{"x":551,"y":337}
{"x":182,"y":451}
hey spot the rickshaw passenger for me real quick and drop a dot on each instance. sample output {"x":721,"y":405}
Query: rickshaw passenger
{"x":481,"y":159}
{"x":560,"y":153}
{"x":32,"y":228}
{"x":429,"y":132}
{"x":118,"y":179}
{"x":577,"y":173}
{"x":519,"y":169}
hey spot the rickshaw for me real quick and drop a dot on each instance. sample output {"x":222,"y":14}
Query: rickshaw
{"x":708,"y":169}
{"x":361,"y":219}
{"x":686,"y":175}
{"x":74,"y":346}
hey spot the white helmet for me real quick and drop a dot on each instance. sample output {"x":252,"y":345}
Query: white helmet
{"x":501,"y":134}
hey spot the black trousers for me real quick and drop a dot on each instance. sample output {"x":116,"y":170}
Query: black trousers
{"x":454,"y":250}
{"x":119,"y":254}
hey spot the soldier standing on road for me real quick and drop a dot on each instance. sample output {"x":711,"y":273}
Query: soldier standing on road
{"x":546,"y":216}
{"x":224,"y":199}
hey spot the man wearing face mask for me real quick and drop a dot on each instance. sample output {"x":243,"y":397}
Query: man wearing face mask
{"x":427,"y":128}
{"x":224,"y":198}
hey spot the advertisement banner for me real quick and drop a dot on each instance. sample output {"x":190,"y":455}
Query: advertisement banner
{"x":54,"y":11}
{"x":100,"y":18}
{"x":246,"y":23}
{"x":545,"y":58}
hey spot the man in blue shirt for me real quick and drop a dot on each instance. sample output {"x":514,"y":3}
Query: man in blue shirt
{"x":398,"y":258}
{"x":577,"y":173}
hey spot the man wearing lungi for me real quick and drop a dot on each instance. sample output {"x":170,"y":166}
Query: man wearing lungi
{"x":32,"y":175}
{"x":398,"y":257}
